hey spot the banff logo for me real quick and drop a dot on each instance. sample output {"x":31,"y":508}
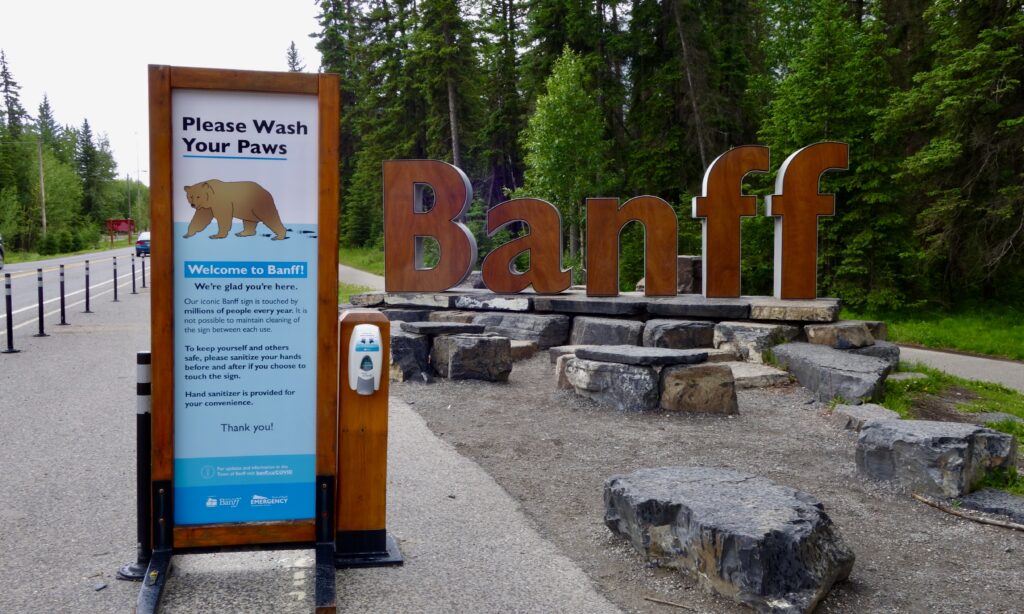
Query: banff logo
{"x":261,"y":501}
{"x":231,"y":502}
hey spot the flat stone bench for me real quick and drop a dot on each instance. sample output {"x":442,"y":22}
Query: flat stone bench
{"x":741,"y":536}
{"x":832,"y":373}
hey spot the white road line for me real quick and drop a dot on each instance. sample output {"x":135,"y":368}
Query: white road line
{"x":3,"y":316}
{"x":35,"y":321}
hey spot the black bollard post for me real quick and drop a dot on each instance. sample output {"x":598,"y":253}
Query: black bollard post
{"x":63,"y":315}
{"x":143,"y":271}
{"x":39,"y":283}
{"x":10,"y":316}
{"x":115,"y":279}
{"x":143,"y":404}
{"x":87,"y":287}
{"x":133,"y":275}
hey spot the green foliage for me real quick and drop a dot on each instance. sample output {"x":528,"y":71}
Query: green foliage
{"x":965,"y":119}
{"x":995,"y":330}
{"x":1004,"y":479}
{"x":987,"y":397}
{"x":345,"y":291}
{"x":369,"y":259}
{"x":566,"y":152}
{"x":564,"y":100}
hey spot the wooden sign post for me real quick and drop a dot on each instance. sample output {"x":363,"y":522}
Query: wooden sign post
{"x":244,"y":315}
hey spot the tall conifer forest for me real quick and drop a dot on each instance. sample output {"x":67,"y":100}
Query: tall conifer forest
{"x":564,"y":99}
{"x":58,"y":183}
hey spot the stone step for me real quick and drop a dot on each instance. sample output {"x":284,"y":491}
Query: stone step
{"x":750,"y":375}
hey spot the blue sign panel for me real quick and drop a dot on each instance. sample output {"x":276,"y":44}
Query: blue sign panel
{"x":245,"y":297}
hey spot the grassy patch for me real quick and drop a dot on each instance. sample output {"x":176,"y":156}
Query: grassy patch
{"x":345,"y":291}
{"x":367,"y":259}
{"x":989,"y":330}
{"x":984,"y":397}
{"x":1002,"y":479}
{"x":13,"y":257}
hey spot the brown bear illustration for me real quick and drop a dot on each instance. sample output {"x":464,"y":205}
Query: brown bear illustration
{"x":226,"y":200}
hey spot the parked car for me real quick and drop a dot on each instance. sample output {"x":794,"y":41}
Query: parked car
{"x":1,"y":252}
{"x":142,"y":245}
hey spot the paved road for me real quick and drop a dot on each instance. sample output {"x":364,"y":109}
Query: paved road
{"x":24,"y":288}
{"x":67,"y":505}
{"x":1005,"y":372}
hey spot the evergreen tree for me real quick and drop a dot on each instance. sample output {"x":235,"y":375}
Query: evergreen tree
{"x":503,"y":104}
{"x":835,"y":89}
{"x":964,"y":119}
{"x":446,"y":64}
{"x":389,"y":113}
{"x":566,"y":152}
{"x":294,"y":62}
{"x":46,"y":126}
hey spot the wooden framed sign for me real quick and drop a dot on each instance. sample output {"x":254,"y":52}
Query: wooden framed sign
{"x":244,"y":305}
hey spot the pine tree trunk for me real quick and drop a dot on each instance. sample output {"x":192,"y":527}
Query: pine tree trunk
{"x":453,"y":119}
{"x":698,"y":122}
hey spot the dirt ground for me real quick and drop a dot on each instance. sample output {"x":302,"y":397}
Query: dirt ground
{"x":552,"y":451}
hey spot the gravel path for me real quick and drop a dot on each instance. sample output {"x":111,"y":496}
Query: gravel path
{"x":552,"y":452}
{"x":1006,"y":372}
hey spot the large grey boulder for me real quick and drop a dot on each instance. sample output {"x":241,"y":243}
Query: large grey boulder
{"x":752,"y":340}
{"x":625,"y":387}
{"x":406,"y":315}
{"x":522,"y":350}
{"x":945,"y":459}
{"x":750,"y":375}
{"x":699,"y":388}
{"x":480,"y":301}
{"x":696,"y":306}
{"x":441,"y":328}
{"x":410,"y":357}
{"x":605,"y":331}
{"x":462,"y":317}
{"x":545,"y":330}
{"x":678,"y":334}
{"x":742,"y":536}
{"x":889,"y":352}
{"x":482,"y":357}
{"x":368,"y":299}
{"x":879,"y":330}
{"x":840,"y":335}
{"x":854,"y":417}
{"x":831,"y":373}
{"x":432,"y":300}
{"x":561,"y":350}
{"x":636,"y":355}
{"x":561,"y":380}
{"x":578,"y":302}
{"x":993,"y":501}
{"x":788,"y":310}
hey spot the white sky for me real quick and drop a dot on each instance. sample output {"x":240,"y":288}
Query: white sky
{"x":91,"y":56}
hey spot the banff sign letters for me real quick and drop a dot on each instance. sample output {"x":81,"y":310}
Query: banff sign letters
{"x":796,"y":205}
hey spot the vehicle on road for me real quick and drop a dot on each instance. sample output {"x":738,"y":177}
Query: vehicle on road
{"x":1,"y":252}
{"x":142,"y":245}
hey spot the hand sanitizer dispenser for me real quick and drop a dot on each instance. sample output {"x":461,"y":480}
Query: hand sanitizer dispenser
{"x":364,"y":359}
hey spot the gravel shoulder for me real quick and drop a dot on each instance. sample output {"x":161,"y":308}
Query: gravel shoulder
{"x":551,"y":451}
